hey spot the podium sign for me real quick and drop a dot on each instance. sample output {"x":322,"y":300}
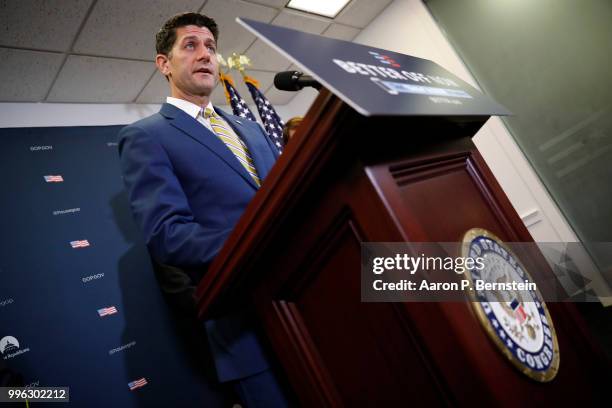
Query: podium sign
{"x":374,"y":81}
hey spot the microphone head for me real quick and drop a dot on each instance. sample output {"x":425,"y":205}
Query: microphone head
{"x":288,"y":81}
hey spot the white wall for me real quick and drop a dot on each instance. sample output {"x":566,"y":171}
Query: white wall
{"x":69,"y":114}
{"x":74,"y":114}
{"x":299,"y":105}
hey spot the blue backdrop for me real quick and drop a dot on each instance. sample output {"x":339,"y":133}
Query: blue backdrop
{"x":86,"y":314}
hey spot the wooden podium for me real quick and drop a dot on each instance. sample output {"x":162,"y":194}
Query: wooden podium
{"x":346,"y":179}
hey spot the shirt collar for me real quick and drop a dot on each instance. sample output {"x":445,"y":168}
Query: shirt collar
{"x":189,"y":108}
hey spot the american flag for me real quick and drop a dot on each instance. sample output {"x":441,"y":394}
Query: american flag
{"x":239,"y":106}
{"x":54,"y":179}
{"x":272,"y":122}
{"x":105,"y":311}
{"x":137,"y":384}
{"x":79,"y":244}
{"x":519,"y":311}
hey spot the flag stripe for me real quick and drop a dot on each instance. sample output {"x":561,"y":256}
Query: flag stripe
{"x":137,"y":384}
{"x":79,"y":244}
{"x":53,"y":178}
{"x":105,"y":311}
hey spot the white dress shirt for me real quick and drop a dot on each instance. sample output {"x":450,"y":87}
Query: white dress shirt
{"x":193,"y":110}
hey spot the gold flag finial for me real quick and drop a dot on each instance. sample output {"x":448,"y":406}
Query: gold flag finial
{"x":239,"y":62}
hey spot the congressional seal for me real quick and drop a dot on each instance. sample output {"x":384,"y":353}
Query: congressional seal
{"x":516,"y":320}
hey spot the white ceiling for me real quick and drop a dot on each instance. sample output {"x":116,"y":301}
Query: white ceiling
{"x":102,"y":51}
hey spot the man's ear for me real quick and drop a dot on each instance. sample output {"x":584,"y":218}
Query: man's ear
{"x":163,"y":64}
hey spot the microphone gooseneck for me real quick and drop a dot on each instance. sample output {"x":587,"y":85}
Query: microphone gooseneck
{"x":294,"y":81}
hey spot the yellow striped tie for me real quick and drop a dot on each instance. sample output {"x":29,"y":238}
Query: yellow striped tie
{"x":233,"y":142}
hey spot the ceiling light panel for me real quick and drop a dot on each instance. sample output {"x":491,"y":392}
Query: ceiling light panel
{"x":326,"y":8}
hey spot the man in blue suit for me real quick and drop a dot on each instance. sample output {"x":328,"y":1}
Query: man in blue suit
{"x":190,"y":171}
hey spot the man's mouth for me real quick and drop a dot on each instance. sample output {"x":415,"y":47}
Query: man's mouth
{"x":203,"y":71}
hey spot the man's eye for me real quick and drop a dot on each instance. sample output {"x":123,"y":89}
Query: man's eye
{"x":212,"y":49}
{"x":189,"y":45}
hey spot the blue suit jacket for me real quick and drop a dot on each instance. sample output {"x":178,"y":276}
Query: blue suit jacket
{"x":187,"y":190}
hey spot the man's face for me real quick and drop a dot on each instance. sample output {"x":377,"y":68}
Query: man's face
{"x":192,"y":67}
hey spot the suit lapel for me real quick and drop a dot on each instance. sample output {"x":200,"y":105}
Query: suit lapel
{"x":249,"y":138}
{"x":202,"y":135}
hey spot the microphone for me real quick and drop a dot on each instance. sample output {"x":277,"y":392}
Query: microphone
{"x":294,"y":81}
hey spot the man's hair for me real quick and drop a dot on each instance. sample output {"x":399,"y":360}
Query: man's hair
{"x":166,"y":36}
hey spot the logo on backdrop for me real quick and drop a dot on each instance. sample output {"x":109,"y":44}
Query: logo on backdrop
{"x":6,"y":302}
{"x":517,"y":321}
{"x":92,"y":277}
{"x":54,"y":179}
{"x":68,"y":211}
{"x":9,"y":347}
{"x":107,"y":311}
{"x":122,"y":348}
{"x":79,"y":244}
{"x":40,"y":148}
{"x":137,"y":384}
{"x":8,"y":344}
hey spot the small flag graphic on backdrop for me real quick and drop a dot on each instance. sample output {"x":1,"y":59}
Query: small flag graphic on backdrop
{"x":79,"y":244}
{"x":54,"y":179}
{"x":137,"y":384}
{"x":239,"y":105}
{"x":106,"y":311}
{"x":272,"y":122}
